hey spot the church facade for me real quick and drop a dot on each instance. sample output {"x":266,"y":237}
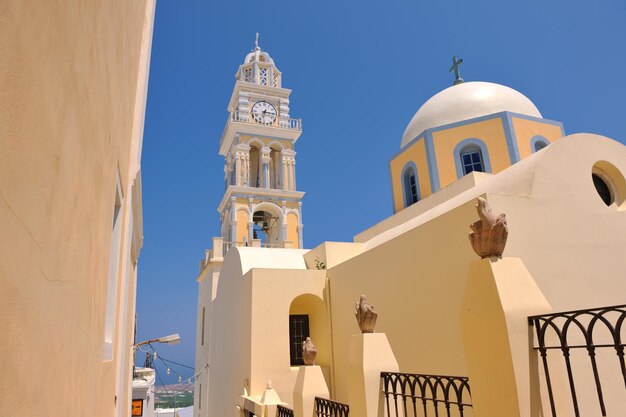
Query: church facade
{"x":261,"y":294}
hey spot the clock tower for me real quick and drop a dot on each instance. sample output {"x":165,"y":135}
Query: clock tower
{"x":261,"y":205}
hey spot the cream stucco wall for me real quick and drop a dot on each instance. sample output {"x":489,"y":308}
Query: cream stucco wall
{"x":414,"y":273}
{"x":250,"y":323}
{"x":414,"y":265}
{"x":73,"y":82}
{"x":415,"y":288}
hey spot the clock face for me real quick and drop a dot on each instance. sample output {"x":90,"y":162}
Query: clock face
{"x":264,"y":112}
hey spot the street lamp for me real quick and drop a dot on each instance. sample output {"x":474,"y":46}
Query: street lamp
{"x":172,"y":339}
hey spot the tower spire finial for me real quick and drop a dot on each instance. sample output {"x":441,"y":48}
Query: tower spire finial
{"x":256,"y":42}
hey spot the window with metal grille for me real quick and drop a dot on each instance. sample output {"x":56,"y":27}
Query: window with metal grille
{"x":298,"y":332}
{"x":248,"y":74}
{"x":472,"y":160}
{"x":263,"y":76}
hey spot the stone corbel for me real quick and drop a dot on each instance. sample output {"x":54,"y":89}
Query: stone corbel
{"x":243,"y":106}
{"x":284,"y":112}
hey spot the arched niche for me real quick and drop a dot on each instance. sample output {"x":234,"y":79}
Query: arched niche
{"x":314,"y":308}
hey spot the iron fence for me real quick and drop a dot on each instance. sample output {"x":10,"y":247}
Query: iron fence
{"x":565,"y":327}
{"x":282,"y":411}
{"x":409,"y":395}
{"x":329,"y":408}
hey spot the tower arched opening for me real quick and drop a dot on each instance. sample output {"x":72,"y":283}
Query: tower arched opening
{"x":255,"y":164}
{"x":275,"y":167}
{"x":267,"y":227}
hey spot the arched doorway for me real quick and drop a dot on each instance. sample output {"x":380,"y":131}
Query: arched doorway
{"x":308,"y":318}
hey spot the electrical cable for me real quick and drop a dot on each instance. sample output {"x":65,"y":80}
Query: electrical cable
{"x":190,"y":380}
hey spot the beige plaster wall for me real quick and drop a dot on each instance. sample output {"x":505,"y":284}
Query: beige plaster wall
{"x":250,"y":325}
{"x":417,"y":292}
{"x":73,"y":80}
{"x":229,"y":352}
{"x":273,"y":294}
{"x":414,"y":274}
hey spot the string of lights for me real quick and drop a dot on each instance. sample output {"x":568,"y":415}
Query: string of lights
{"x":166,"y":362}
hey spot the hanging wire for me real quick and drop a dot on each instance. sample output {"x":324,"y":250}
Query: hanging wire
{"x":189,"y":380}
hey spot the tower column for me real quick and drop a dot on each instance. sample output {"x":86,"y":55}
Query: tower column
{"x":246,"y":182}
{"x":283,"y":224}
{"x":242,"y":155}
{"x":300,"y":225}
{"x":283,"y":165}
{"x":288,"y":177}
{"x":233,"y":220}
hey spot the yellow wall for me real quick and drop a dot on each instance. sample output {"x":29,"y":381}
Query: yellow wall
{"x":491,"y":132}
{"x":417,"y":154}
{"x":526,"y":129}
{"x":242,"y":225}
{"x":416,"y":291}
{"x":292,"y":229}
{"x":73,"y":88}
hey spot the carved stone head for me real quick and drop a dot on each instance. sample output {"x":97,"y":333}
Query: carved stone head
{"x":309,"y":352}
{"x":365,"y":315}
{"x":489,"y":234}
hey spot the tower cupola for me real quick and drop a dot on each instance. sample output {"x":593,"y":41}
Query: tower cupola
{"x":259,"y":68}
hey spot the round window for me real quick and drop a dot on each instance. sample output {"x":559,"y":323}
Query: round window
{"x":603,"y":189}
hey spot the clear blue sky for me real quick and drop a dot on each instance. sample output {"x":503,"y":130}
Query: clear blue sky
{"x":359,"y":70}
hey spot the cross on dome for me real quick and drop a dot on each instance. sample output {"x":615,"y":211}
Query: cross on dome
{"x":256,"y":42}
{"x":456,"y":63}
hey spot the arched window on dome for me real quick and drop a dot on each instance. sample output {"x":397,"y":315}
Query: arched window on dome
{"x":538,"y":142}
{"x":471,"y":155}
{"x":410,"y":185}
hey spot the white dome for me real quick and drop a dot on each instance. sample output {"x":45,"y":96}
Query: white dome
{"x":467,"y":101}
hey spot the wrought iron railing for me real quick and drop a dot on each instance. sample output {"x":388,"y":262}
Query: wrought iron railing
{"x":576,"y":330}
{"x":405,"y":394}
{"x":282,"y":411}
{"x":329,"y":408}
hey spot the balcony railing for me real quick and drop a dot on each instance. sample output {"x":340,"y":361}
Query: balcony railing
{"x":254,"y":243}
{"x":294,"y":124}
{"x":598,"y":331}
{"x":329,"y":408}
{"x":434,"y":394}
{"x":282,"y":411}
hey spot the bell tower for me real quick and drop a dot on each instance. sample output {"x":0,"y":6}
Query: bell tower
{"x":261,"y":205}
